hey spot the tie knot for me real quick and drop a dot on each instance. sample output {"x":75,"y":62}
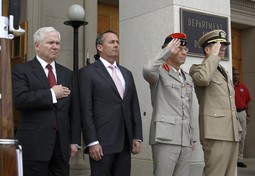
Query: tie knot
{"x":112,"y":67}
{"x":49,"y":67}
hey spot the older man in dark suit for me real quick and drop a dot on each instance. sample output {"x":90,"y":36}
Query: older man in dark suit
{"x":111,"y":118}
{"x":49,"y":123}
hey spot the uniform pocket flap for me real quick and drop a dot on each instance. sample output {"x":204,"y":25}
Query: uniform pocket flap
{"x":165,"y":119}
{"x":217,"y":82}
{"x":216,"y":114}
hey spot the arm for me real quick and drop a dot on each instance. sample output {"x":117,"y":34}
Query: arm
{"x":87,"y":121}
{"x":151,"y":70}
{"x":202,"y":73}
{"x":247,"y":101}
{"x":193,"y":122}
{"x":136,"y":122}
{"x":248,"y":105}
{"x":27,"y":94}
{"x":136,"y":114}
{"x":75,"y":119}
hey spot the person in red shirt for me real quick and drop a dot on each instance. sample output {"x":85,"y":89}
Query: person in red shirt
{"x":242,"y":101}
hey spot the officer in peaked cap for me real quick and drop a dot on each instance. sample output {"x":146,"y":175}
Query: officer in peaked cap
{"x":219,"y":128}
{"x":172,"y":102}
{"x":213,"y":37}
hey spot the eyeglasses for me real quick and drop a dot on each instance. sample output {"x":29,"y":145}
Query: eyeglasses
{"x":183,"y":49}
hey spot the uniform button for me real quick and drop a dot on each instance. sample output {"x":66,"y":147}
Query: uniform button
{"x":183,"y":107}
{"x":215,"y":114}
{"x":230,"y":96}
{"x":182,"y":96}
{"x":162,"y":120}
{"x":232,"y":109}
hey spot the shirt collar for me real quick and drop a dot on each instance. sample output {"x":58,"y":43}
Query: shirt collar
{"x":44,"y":63}
{"x":179,"y":71}
{"x":106,"y":63}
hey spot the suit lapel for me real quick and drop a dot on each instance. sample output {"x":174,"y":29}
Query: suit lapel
{"x":60,"y":77}
{"x":39,"y":72}
{"x":126,"y":78}
{"x":105,"y":74}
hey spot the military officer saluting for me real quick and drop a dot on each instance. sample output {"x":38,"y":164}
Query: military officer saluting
{"x":172,"y":133}
{"x":218,"y":124}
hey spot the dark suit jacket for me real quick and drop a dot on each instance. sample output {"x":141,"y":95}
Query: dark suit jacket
{"x":105,"y":116}
{"x":39,"y":116}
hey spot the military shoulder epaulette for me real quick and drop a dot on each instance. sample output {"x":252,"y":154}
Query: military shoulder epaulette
{"x":166,"y":67}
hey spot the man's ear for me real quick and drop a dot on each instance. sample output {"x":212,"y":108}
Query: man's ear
{"x":99,"y":47}
{"x":206,"y":49}
{"x":36,"y":44}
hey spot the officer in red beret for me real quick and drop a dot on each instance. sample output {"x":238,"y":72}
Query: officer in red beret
{"x":172,"y":131}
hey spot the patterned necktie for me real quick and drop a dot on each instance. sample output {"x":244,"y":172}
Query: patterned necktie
{"x":117,"y":81}
{"x":51,"y":76}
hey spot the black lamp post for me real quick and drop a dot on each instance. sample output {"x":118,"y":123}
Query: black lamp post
{"x":76,"y":15}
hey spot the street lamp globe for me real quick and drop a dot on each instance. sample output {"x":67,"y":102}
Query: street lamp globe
{"x":76,"y":13}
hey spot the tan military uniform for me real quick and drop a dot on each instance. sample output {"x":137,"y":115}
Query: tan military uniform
{"x":219,"y":126}
{"x":172,"y":127}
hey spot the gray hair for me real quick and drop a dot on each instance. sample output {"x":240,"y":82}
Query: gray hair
{"x":39,"y":35}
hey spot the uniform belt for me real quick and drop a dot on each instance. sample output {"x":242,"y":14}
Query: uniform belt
{"x":239,"y":110}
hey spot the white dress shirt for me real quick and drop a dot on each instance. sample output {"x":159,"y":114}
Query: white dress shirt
{"x":46,"y":71}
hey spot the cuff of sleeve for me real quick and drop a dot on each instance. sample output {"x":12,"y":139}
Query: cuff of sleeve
{"x":78,"y":147}
{"x":54,"y":98}
{"x":92,"y":143}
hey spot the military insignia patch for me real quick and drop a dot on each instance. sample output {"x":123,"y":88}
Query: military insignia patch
{"x":222,"y":34}
{"x":166,"y":67}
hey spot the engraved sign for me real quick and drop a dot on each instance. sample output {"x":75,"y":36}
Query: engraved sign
{"x":196,"y":24}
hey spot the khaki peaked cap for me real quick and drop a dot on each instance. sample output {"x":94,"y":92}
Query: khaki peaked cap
{"x":213,"y":37}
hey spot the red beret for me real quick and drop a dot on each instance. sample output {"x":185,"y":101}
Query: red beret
{"x":181,"y":36}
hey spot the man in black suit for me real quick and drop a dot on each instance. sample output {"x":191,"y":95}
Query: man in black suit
{"x":111,"y":119}
{"x":49,"y":122}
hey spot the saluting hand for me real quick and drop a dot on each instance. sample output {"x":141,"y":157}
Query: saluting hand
{"x":215,"y":49}
{"x":173,"y":45}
